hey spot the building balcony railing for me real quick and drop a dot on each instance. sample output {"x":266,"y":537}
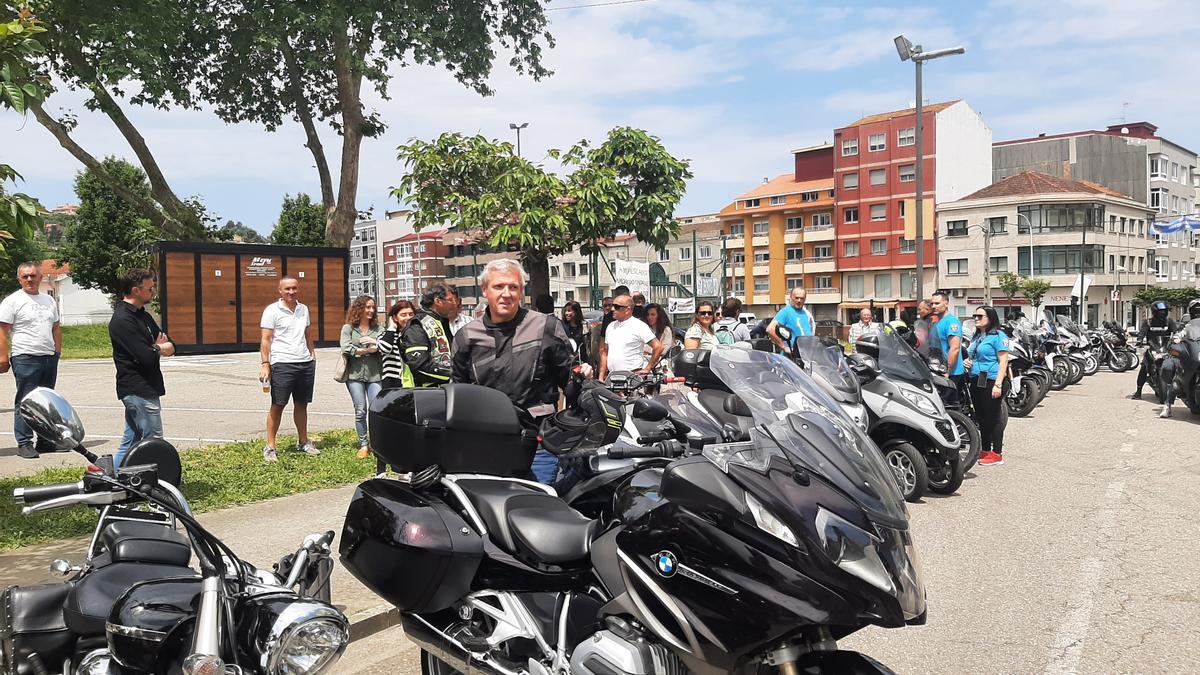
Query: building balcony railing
{"x":823,"y":289}
{"x":818,"y":228}
{"x":819,"y":259}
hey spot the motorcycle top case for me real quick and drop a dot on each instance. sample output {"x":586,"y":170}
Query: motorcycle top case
{"x":693,"y":366}
{"x":462,"y":428}
{"x":31,"y":621}
{"x":409,"y":547}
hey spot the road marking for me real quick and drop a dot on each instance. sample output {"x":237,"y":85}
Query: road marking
{"x":1067,"y":648}
{"x":168,"y":438}
{"x":216,"y":410}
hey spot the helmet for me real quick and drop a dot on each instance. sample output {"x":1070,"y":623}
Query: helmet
{"x":1194,"y":309}
{"x":1160,"y":308}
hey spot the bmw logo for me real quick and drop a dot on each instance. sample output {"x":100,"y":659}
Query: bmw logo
{"x":665,"y":563}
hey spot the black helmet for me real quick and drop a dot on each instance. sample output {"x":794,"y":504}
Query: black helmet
{"x":1194,"y":309}
{"x":1160,"y":308}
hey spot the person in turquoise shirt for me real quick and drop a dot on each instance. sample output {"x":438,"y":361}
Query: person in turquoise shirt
{"x":793,"y":317}
{"x":949,"y":333}
{"x":988,"y":353}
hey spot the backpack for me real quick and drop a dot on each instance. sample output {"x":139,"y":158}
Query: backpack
{"x":725,"y":336}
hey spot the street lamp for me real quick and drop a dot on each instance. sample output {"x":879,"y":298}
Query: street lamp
{"x":517,"y":128}
{"x":910,"y":52}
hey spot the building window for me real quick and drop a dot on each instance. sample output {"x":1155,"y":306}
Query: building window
{"x":956,"y":266}
{"x":850,"y":249}
{"x":850,"y":215}
{"x":999,"y":264}
{"x":583,"y":269}
{"x":1158,"y":199}
{"x":568,"y":269}
{"x":751,"y":203}
{"x":685,"y":279}
{"x":685,"y":254}
{"x":883,"y":285}
{"x":879,"y":247}
{"x":764,"y":257}
{"x":554,"y":270}
{"x":762,"y":285}
{"x":878,"y":176}
{"x":795,"y":282}
{"x":823,"y":281}
{"x":794,"y":253}
{"x":1060,"y":218}
{"x":737,"y":229}
{"x":778,"y":200}
{"x":761,"y":228}
{"x":795,"y":223}
{"x":822,"y":221}
{"x":879,"y":212}
{"x":877,"y":142}
{"x":1158,"y":167}
{"x":855,"y":285}
{"x":1174,"y":171}
{"x":956,"y":228}
{"x":739,"y":286}
{"x":849,"y":147}
{"x":908,"y":173}
{"x":809,"y":196}
{"x":850,"y":180}
{"x":664,"y":255}
{"x":906,"y":136}
{"x":998,"y":225}
{"x":739,"y":258}
{"x":823,"y":252}
{"x":1063,"y":259}
{"x":705,"y":252}
{"x":570,"y":295}
{"x":908,"y":245}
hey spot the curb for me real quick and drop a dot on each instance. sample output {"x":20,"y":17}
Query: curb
{"x":368,"y":622}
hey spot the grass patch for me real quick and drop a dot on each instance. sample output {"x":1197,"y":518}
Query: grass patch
{"x":214,"y":477}
{"x":86,"y":342}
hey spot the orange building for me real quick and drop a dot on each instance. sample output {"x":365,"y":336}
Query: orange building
{"x":780,"y":235}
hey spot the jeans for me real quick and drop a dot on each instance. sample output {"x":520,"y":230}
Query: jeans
{"x":362,"y":393}
{"x":143,"y":419}
{"x":30,"y":373}
{"x":545,"y":467}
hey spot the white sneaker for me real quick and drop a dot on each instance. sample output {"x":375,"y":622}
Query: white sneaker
{"x":269,"y":454}
{"x":310,"y":448}
{"x":1166,"y":411}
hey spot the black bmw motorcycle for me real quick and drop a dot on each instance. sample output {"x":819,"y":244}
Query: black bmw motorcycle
{"x":1185,"y":346}
{"x":745,"y":557}
{"x":135,"y":606}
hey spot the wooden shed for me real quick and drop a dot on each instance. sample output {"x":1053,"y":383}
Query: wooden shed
{"x":212,"y":295}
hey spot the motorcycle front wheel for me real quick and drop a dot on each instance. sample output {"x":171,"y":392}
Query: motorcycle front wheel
{"x":909,"y":469}
{"x":1076,"y":371}
{"x":1091,"y":364}
{"x":1120,"y":361}
{"x":1061,"y":375}
{"x":972,"y":443}
{"x":1024,"y":399}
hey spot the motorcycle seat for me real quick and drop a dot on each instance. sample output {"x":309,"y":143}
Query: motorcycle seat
{"x":145,"y":542}
{"x":90,"y":601}
{"x":527,"y":522}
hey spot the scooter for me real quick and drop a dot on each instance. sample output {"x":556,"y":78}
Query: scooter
{"x":135,"y":606}
{"x":1185,"y":346}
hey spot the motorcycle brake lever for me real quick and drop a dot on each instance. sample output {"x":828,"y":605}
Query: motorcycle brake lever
{"x":95,"y":499}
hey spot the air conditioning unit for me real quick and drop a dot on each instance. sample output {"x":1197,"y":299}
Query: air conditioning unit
{"x":958,"y":293}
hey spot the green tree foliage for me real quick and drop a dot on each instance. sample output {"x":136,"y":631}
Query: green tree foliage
{"x":1011,"y":285}
{"x":238,"y":231}
{"x":301,"y":222}
{"x":1176,"y":297}
{"x":20,"y":215}
{"x":1035,"y":290}
{"x":19,"y":250}
{"x":109,"y":235}
{"x":630,"y":183}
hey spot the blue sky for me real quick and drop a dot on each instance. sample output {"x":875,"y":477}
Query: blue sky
{"x":732,"y":85}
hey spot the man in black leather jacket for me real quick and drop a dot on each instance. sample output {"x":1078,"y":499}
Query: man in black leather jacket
{"x":1156,"y":332}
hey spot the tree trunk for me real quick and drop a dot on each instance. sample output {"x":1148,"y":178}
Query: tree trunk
{"x":191,"y":227}
{"x":146,"y":207}
{"x":539,"y":273}
{"x":340,"y":228}
{"x":305,"y":114}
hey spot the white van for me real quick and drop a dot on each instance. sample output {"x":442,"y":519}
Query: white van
{"x":747,"y":318}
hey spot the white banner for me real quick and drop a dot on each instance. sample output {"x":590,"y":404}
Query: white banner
{"x":681,"y":305}
{"x":708,"y":286}
{"x":635,"y":275}
{"x":1087,"y":283}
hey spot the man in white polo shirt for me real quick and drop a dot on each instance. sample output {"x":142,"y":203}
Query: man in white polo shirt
{"x":625,"y":341}
{"x":289,"y":363}
{"x":29,"y":321}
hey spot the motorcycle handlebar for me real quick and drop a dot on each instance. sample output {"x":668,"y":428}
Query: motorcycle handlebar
{"x":41,"y":493}
{"x":663,"y":449}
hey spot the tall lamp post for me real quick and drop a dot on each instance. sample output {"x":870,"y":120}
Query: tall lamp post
{"x":517,"y":128}
{"x":910,"y":52}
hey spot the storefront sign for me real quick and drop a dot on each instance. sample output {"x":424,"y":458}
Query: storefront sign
{"x":261,"y":266}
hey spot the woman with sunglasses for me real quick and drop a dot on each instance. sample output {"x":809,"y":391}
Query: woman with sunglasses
{"x":988,"y":356}
{"x":701,"y":335}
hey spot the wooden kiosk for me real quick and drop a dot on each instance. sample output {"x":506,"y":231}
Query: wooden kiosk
{"x":212,"y":295}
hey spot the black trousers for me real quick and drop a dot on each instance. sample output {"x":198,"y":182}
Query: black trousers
{"x":988,"y":411}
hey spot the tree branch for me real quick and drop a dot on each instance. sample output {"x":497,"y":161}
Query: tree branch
{"x":340,"y":229}
{"x":304,"y":113}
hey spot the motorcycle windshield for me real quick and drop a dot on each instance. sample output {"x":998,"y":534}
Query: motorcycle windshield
{"x":897,"y":359}
{"x":798,"y":421}
{"x":829,"y":364}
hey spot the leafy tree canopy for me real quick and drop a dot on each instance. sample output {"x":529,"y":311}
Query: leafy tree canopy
{"x":1176,"y":297}
{"x":1011,"y":284}
{"x":238,"y":231}
{"x":301,"y":222}
{"x":20,"y":215}
{"x":1035,"y":290}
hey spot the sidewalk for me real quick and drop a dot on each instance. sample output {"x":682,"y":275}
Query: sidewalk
{"x":259,"y":533}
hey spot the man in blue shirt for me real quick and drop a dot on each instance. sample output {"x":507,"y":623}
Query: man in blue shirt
{"x":949,"y":334}
{"x":792,"y":317}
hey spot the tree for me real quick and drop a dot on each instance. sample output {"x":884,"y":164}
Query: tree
{"x":1176,"y":297}
{"x":19,"y":250}
{"x":238,"y":231}
{"x":630,"y":183}
{"x":301,"y":222}
{"x":1011,"y":285}
{"x":109,"y":235}
{"x":20,"y":215}
{"x":1035,"y":290}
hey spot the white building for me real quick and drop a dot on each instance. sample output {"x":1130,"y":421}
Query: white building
{"x":366,"y":251}
{"x":76,"y":305}
{"x":1067,"y":224}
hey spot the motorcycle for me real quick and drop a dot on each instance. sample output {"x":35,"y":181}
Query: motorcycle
{"x":1185,"y":346}
{"x":135,"y":606}
{"x":746,"y":556}
{"x":1110,"y":346}
{"x":1029,"y":383}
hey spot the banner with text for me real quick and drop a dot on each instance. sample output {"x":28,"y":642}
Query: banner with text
{"x":681,"y":305}
{"x":635,"y":275}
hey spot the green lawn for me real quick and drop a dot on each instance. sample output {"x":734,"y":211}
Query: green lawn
{"x":214,"y":477}
{"x":86,"y":342}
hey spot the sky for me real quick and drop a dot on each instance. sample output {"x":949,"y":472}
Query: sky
{"x":732,"y":85}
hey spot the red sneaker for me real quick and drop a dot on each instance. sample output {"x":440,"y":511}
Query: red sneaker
{"x":989,"y":458}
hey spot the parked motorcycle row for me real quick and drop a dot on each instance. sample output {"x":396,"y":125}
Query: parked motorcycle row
{"x":742,"y":516}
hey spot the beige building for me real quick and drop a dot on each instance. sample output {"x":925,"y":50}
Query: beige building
{"x":1047,"y":227}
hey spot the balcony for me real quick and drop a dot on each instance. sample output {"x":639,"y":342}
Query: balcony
{"x":824,"y":295}
{"x":792,"y":237}
{"x":813,"y":265}
{"x":793,"y":267}
{"x":819,"y":233}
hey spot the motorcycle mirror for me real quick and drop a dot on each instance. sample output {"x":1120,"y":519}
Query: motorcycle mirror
{"x":53,"y":419}
{"x":649,"y":410}
{"x":674,"y":351}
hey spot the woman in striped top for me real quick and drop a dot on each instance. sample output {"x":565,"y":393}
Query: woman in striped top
{"x":391,"y":345}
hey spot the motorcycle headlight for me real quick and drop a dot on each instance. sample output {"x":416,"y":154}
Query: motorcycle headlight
{"x":922,"y":402}
{"x":306,"y":638}
{"x":853,"y":549}
{"x":767,"y":522}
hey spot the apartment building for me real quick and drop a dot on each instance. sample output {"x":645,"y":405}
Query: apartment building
{"x":412,"y":263}
{"x":1051,"y":228}
{"x":366,"y":251}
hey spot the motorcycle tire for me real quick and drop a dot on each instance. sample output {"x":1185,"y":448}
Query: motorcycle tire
{"x":909,"y":470}
{"x":432,"y":665}
{"x":1076,"y":372}
{"x":1091,"y":364}
{"x":1135,"y":359}
{"x":972,"y":442}
{"x":1192,"y":398}
{"x":1120,"y":362}
{"x":946,"y":479}
{"x":1023,"y":400}
{"x":1160,"y":394}
{"x":1061,"y":375}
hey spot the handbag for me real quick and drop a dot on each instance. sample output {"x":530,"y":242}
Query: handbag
{"x":341,"y":370}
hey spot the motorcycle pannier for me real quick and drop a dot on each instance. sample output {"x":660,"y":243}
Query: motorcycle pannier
{"x":409,"y":547}
{"x":31,"y":622}
{"x":463,"y":428}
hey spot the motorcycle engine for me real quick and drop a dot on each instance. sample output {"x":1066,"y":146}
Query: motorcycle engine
{"x":606,"y":652}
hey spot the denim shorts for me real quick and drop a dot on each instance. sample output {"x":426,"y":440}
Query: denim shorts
{"x":294,"y":381}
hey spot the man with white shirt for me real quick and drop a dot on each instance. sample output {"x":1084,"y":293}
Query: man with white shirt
{"x":29,"y":322}
{"x":289,"y":363}
{"x":866,"y":326}
{"x":625,"y":340}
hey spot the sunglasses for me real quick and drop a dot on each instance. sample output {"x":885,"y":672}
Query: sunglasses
{"x":704,"y":313}
{"x":615,"y":306}
{"x":981,"y":316}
